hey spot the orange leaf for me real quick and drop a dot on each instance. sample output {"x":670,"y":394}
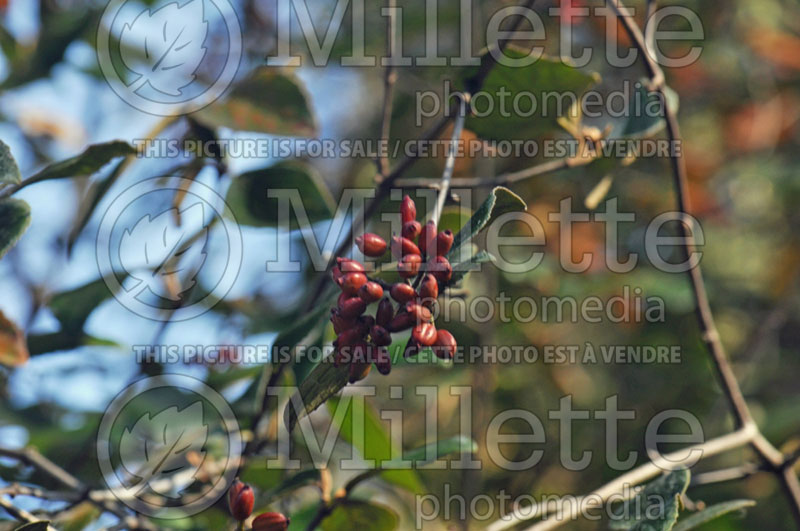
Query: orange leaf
{"x":13,"y":350}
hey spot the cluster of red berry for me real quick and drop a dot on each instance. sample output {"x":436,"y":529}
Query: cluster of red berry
{"x":363,"y":339}
{"x":240,"y":503}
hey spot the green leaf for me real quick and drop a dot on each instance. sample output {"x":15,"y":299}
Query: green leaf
{"x":74,"y":306}
{"x":542,"y":79}
{"x":354,"y":514}
{"x":301,"y":479}
{"x":247,"y":195}
{"x":42,"y":525}
{"x":459,"y":444}
{"x":461,"y":269}
{"x":501,"y":200}
{"x":322,"y":383}
{"x":375,"y":445}
{"x":656,"y":506}
{"x":267,"y":101}
{"x":712,"y":513}
{"x":15,"y":216}
{"x":9,"y":171}
{"x":87,"y":163}
{"x":645,"y":111}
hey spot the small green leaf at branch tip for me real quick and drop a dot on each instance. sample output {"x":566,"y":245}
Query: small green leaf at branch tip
{"x":712,"y":513}
{"x":666,"y":491}
{"x":9,"y":171}
{"x":15,"y":216}
{"x":90,"y":161}
{"x":324,"y":381}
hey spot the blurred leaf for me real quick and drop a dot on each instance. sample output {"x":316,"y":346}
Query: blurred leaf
{"x":9,"y":171}
{"x":247,"y":195}
{"x":375,"y":445}
{"x":15,"y":216}
{"x":322,"y":383}
{"x":295,"y":481}
{"x":545,"y":76}
{"x":353,"y":514}
{"x":656,"y":506}
{"x":41,"y":525}
{"x":462,"y":268}
{"x":78,"y":517}
{"x":58,"y":341}
{"x":459,"y":444}
{"x":267,"y":101}
{"x":642,"y":121}
{"x":500,"y":201}
{"x":74,"y":306}
{"x":712,"y":513}
{"x":13,"y":351}
{"x":91,"y":160}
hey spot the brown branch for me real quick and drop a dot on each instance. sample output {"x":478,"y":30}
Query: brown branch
{"x":389,"y":79}
{"x":21,"y":514}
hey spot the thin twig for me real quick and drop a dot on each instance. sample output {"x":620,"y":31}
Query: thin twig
{"x":504,"y":179}
{"x":21,"y":514}
{"x":447,"y":174}
{"x":389,"y":79}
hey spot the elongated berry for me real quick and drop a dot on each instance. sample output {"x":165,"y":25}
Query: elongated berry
{"x":336,"y":273}
{"x":270,"y":522}
{"x":403,"y":246}
{"x":348,"y":265}
{"x":370,"y":292}
{"x":408,"y":266}
{"x":420,"y":312}
{"x":428,"y":290}
{"x":424,"y":334}
{"x":383,"y":361}
{"x":441,"y":269}
{"x":408,"y":210}
{"x":402,"y":321}
{"x":385,"y":311}
{"x":240,"y":500}
{"x":445,"y":345}
{"x":444,"y":241}
{"x":352,"y":282}
{"x":380,"y":336}
{"x":349,"y":338}
{"x":427,"y":239}
{"x":402,"y":292}
{"x":340,"y":324}
{"x":352,"y":308}
{"x":411,"y":229}
{"x":371,"y":244}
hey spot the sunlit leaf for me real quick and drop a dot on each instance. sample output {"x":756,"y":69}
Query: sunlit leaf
{"x":91,"y":160}
{"x":322,"y":383}
{"x":9,"y":171}
{"x":656,"y":506}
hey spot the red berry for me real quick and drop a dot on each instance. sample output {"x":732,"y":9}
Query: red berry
{"x":383,"y":361}
{"x":411,"y":229}
{"x":349,"y":338}
{"x":445,"y":345}
{"x":370,"y":292}
{"x":340,"y":324}
{"x":408,"y":266}
{"x":420,"y":312}
{"x":403,"y":246}
{"x":336,"y":273}
{"x":385,"y":311}
{"x":240,"y":500}
{"x":408,"y":210}
{"x":371,"y":244}
{"x":352,"y":282}
{"x":402,"y":292}
{"x":380,"y":336}
{"x":444,"y":241}
{"x":352,"y":308}
{"x":441,"y":269}
{"x":424,"y":334}
{"x":428,"y":290}
{"x":348,"y":265}
{"x":427,"y":239}
{"x":402,"y":321}
{"x":270,"y":522}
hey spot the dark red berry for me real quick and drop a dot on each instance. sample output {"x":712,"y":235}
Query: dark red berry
{"x":444,"y":241}
{"x":427,"y":239}
{"x":402,"y":292}
{"x":420,"y":312}
{"x":370,"y":292}
{"x":385,"y":311}
{"x":241,"y":500}
{"x":352,"y":282}
{"x":336,"y":273}
{"x":403,"y":246}
{"x":445,"y":345}
{"x":408,"y":210}
{"x":424,"y":334}
{"x":352,"y":308}
{"x":411,"y":229}
{"x":428,"y":290}
{"x":380,"y":336}
{"x":270,"y":522}
{"x":402,"y":321}
{"x":340,"y":324}
{"x":441,"y":269}
{"x":371,"y":244}
{"x":383,"y":361}
{"x":349,"y":338}
{"x":408,"y":266}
